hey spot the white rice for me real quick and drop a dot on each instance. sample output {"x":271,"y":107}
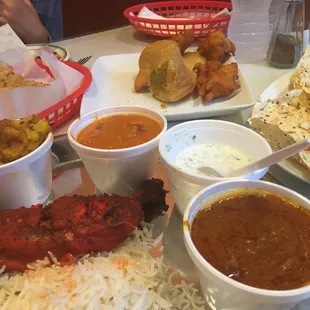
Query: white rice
{"x":127,"y":278}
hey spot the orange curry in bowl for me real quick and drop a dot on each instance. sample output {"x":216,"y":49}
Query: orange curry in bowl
{"x":119,"y":131}
{"x":256,"y":238}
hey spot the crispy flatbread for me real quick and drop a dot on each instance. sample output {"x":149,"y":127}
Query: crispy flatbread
{"x":301,"y":76}
{"x":11,"y":80}
{"x":284,"y":121}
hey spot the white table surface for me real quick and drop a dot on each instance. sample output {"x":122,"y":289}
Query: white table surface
{"x":126,"y":40}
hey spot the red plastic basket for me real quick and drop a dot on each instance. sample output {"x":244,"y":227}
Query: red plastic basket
{"x":69,"y":106}
{"x":198,"y":13}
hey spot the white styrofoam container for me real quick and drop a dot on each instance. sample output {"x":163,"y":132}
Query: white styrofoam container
{"x":28,"y":180}
{"x":118,"y":171}
{"x":185,"y":185}
{"x":220,"y":291}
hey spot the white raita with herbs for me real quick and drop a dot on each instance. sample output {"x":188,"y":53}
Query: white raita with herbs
{"x":222,"y":158}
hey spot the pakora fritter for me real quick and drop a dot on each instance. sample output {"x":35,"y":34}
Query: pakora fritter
{"x":215,"y":80}
{"x":216,"y":47}
{"x":20,"y":137}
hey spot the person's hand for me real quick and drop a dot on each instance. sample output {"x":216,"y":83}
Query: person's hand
{"x":24,"y":20}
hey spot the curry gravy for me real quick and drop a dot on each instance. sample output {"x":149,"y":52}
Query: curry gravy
{"x":256,"y":238}
{"x":119,"y":131}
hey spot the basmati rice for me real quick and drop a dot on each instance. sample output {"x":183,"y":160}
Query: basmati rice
{"x":128,"y":278}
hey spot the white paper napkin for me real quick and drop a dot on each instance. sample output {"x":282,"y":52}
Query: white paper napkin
{"x":8,"y":38}
{"x":147,"y":13}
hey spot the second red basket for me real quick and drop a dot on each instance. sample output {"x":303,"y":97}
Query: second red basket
{"x":197,"y":17}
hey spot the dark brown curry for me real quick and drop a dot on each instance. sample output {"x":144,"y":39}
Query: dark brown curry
{"x":258,"y":239}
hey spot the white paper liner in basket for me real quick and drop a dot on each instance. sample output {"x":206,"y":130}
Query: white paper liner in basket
{"x":22,"y":102}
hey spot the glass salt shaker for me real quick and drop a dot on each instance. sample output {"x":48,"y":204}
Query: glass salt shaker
{"x":286,"y":45}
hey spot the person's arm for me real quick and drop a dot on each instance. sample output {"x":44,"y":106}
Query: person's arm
{"x":24,"y":20}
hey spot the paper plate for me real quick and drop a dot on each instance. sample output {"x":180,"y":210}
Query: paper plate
{"x":273,"y":91}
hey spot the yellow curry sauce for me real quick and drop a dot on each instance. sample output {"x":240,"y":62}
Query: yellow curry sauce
{"x":258,"y":239}
{"x":119,"y":131}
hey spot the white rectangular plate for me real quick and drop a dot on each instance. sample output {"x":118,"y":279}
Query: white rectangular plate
{"x":113,"y":85}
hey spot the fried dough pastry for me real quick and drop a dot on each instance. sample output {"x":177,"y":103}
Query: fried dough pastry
{"x":184,"y":40}
{"x":152,"y":56}
{"x":216,"y":47}
{"x":11,"y":80}
{"x":172,"y":81}
{"x":193,"y":58}
{"x":158,"y":53}
{"x":215,"y":80}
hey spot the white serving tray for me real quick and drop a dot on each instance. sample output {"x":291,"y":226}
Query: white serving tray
{"x":113,"y":84}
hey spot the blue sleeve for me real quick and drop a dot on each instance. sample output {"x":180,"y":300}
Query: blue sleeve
{"x":50,"y":14}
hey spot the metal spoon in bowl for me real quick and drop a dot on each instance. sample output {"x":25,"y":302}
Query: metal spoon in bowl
{"x":262,"y":163}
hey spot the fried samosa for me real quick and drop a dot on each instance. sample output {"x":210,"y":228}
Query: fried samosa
{"x":162,"y":69}
{"x":172,"y":80}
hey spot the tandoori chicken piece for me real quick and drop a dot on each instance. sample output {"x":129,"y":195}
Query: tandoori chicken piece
{"x":76,"y":225}
{"x":215,"y":80}
{"x":216,"y":47}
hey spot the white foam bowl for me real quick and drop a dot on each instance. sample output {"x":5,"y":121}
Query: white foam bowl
{"x":28,"y":180}
{"x":118,"y":171}
{"x":220,"y":291}
{"x":185,"y":185}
